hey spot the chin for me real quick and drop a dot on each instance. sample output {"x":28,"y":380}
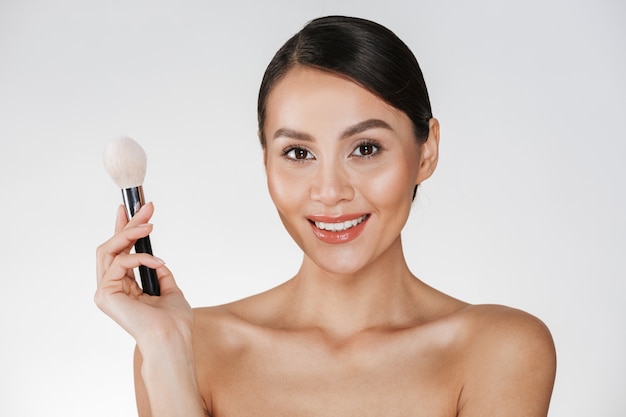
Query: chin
{"x":339,"y":265}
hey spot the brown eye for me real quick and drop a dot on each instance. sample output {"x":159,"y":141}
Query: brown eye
{"x":365,"y":149}
{"x":299,"y":154}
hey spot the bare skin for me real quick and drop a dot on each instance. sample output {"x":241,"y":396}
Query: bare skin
{"x":354,"y":332}
{"x":429,"y":368}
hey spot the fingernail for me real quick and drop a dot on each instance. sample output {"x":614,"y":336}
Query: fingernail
{"x":159,"y":260}
{"x":144,"y":225}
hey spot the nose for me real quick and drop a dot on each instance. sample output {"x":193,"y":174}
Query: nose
{"x":331,"y":184}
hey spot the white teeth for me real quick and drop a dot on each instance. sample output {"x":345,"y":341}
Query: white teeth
{"x":338,"y":227}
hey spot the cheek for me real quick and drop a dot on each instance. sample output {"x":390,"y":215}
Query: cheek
{"x":391,"y":187}
{"x":286,"y":189}
{"x":289,"y":195}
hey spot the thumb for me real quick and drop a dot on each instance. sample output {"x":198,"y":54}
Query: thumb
{"x":166,"y":279}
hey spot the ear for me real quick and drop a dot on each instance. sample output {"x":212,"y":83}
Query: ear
{"x":429,"y":152}
{"x":264,"y":148}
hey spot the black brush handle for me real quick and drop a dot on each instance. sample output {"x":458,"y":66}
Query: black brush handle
{"x":133,"y":200}
{"x":149,"y":280}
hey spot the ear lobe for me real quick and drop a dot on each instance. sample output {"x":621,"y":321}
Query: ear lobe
{"x":429,"y":152}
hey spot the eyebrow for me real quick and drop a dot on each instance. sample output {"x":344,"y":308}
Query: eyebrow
{"x":350,"y":131}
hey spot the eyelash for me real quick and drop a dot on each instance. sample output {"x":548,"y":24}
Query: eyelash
{"x":286,"y":151}
{"x":377,"y":148}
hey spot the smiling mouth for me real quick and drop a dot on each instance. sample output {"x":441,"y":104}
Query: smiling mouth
{"x":340,"y":226}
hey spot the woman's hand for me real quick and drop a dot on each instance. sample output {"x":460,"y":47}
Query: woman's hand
{"x":162,"y":325}
{"x":143,"y":316}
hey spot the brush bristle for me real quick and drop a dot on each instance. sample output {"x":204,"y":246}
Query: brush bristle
{"x":125,"y":161}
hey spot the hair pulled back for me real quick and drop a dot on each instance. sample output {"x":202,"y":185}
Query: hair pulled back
{"x":365,"y":52}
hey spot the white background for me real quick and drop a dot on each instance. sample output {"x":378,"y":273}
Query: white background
{"x":526,"y":208}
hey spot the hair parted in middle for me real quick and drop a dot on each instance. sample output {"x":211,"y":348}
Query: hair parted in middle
{"x":361,"y":50}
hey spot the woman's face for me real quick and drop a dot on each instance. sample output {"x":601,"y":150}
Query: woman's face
{"x":341,"y":167}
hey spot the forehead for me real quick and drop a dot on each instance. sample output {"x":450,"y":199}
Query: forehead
{"x":307,"y":94}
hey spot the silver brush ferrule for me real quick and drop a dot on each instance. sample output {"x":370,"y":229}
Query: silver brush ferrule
{"x":133,"y":200}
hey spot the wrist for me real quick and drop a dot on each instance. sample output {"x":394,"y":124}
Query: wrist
{"x":165,"y":349}
{"x":169,"y":374}
{"x":159,"y":340}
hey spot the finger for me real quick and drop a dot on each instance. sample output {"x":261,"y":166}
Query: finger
{"x":120,"y":218}
{"x":122,"y":264}
{"x":126,"y":234}
{"x":120,"y":243}
{"x":167,"y":283}
{"x":142,"y":216}
{"x":117,"y":297}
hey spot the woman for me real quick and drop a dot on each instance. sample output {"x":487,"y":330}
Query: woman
{"x":347,"y":135}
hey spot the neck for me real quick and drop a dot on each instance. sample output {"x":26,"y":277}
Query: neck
{"x":380,"y":295}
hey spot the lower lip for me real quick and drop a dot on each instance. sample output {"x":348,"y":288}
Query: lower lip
{"x":342,"y":236}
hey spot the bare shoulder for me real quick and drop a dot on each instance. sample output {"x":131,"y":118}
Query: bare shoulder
{"x":221,"y":332}
{"x":221,"y":327}
{"x":509,"y":362}
{"x":501,"y":324}
{"x":221,"y":336}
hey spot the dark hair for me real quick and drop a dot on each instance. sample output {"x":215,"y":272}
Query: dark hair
{"x":368,"y":53}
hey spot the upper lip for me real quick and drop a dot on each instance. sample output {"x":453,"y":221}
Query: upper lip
{"x":335,"y":218}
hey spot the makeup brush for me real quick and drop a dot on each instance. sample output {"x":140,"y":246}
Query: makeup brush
{"x":125,"y":161}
